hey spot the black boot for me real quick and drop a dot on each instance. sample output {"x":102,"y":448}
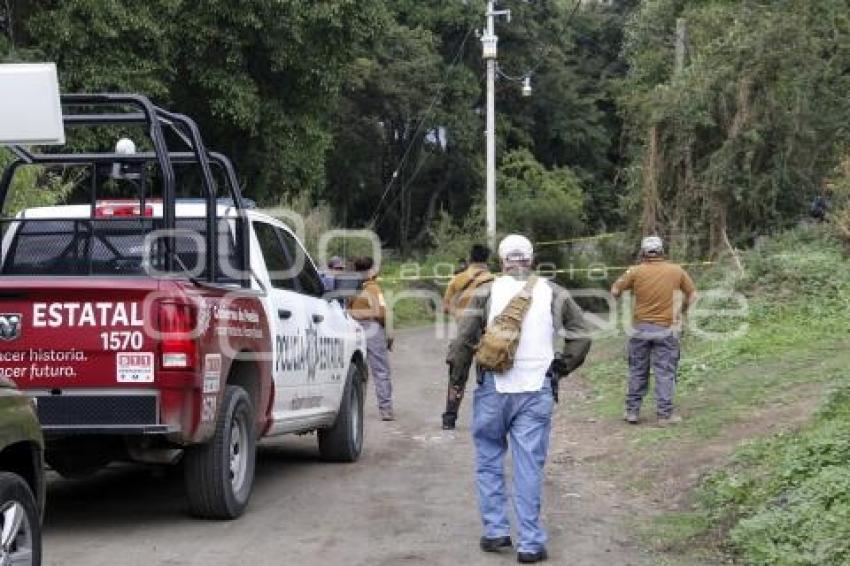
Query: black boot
{"x":449,"y":420}
{"x":532,"y":557}
{"x":495,"y":544}
{"x":453,"y":398}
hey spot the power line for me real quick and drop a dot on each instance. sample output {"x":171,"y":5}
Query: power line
{"x":541,"y":60}
{"x":425,"y":116}
{"x":404,"y":187}
{"x":544,"y":51}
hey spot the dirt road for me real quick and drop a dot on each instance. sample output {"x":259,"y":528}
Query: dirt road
{"x":410,"y":499}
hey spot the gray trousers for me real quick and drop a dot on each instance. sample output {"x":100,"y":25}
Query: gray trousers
{"x":657,"y":346}
{"x":378,"y":358}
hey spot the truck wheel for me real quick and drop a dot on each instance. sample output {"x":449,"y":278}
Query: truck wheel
{"x":219,"y":475}
{"x":343,"y":442}
{"x":20,"y":534}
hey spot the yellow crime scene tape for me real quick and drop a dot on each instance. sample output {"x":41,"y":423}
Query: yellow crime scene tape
{"x":580,"y":239}
{"x":597,"y":269}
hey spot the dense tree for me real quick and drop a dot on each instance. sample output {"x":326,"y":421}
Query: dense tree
{"x":570,"y":122}
{"x":376,"y":107}
{"x":261,"y":77}
{"x":390,"y":139}
{"x":736,"y":142}
{"x":404,"y":140}
{"x":542,"y":203}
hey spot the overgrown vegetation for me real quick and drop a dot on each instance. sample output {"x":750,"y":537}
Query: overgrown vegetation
{"x":782,"y":500}
{"x":736,"y":138}
{"x":33,"y":186}
{"x":374,"y":107}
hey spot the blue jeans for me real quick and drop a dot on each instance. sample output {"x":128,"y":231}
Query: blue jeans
{"x":525,"y":418}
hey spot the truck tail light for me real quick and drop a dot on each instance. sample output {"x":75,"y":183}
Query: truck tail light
{"x":122,"y":209}
{"x":178,"y":345}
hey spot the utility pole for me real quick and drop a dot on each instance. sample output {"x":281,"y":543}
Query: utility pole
{"x":489,"y":44}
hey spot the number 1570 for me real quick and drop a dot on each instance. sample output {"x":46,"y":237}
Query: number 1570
{"x":122,"y":340}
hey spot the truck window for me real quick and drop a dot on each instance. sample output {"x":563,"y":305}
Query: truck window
{"x":277,"y":262}
{"x":308,"y":277}
{"x":114,"y":247}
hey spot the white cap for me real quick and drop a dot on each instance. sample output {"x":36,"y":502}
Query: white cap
{"x":652,"y":244}
{"x":516,"y":248}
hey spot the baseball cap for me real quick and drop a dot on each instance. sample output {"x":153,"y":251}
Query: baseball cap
{"x":516,"y":248}
{"x":652,"y":244}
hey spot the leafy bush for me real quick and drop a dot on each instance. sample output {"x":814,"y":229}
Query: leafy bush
{"x":33,"y":186}
{"x":810,"y":525}
{"x":797,"y":264}
{"x":541,"y":203}
{"x":787,"y":499}
{"x":452,"y":241}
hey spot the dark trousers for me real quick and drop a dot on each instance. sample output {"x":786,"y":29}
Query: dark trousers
{"x":454,"y":395}
{"x":656,"y":346}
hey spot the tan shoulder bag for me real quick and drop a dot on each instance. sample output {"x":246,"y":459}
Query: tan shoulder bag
{"x":497,"y":349}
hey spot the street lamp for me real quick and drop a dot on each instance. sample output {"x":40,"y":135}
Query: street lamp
{"x":526,"y":87}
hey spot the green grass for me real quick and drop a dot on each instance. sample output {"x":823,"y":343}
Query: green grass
{"x":789,"y":341}
{"x":413,"y":301}
{"x":668,"y":531}
{"x":781,"y":500}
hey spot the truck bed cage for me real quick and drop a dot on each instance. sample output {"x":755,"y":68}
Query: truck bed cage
{"x":140,"y":110}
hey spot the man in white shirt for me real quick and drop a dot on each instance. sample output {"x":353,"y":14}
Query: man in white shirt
{"x":517,"y":404}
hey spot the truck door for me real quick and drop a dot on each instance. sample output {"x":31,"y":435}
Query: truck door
{"x":329,"y":323}
{"x":287,"y":317}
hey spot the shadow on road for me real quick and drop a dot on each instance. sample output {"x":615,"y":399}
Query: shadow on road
{"x":130,"y":495}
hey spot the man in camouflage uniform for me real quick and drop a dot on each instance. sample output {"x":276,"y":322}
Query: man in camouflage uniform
{"x":458,"y":294}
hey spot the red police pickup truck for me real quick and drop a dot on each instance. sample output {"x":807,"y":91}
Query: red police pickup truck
{"x":162,"y":328}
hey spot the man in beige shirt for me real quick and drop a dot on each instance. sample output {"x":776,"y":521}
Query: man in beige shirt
{"x":655,"y":340}
{"x":370,"y":309}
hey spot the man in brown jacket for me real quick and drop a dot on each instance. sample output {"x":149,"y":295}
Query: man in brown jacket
{"x":460,"y":291}
{"x":655,"y":339}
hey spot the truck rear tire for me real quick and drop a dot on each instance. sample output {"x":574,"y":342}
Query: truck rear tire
{"x":20,"y":541}
{"x":343,"y":442}
{"x":219,"y":475}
